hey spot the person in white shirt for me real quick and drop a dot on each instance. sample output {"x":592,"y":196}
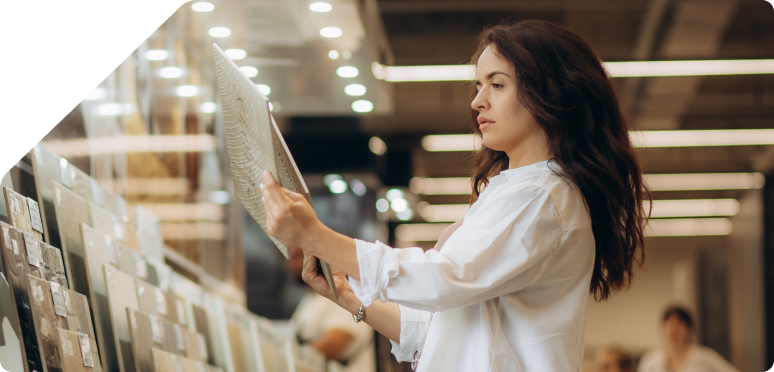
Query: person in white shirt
{"x":556,"y":214}
{"x":329,"y":328}
{"x":681,"y":354}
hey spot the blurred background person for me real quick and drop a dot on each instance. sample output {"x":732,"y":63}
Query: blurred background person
{"x":329,"y":328}
{"x":613,"y":359}
{"x":680,"y":353}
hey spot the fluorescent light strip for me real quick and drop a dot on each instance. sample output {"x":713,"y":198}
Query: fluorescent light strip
{"x":147,"y":143}
{"x":193,"y":231}
{"x":615,"y":69}
{"x":704,"y":181}
{"x":689,"y":227}
{"x":148,"y":186}
{"x":440,"y":186}
{"x":643,"y":139}
{"x":187,"y":212}
{"x":443,"y":212}
{"x":420,"y":232}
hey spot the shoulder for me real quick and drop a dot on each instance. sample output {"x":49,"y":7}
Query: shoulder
{"x":566,"y":197}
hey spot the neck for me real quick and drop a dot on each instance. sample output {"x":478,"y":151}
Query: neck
{"x":530,"y":151}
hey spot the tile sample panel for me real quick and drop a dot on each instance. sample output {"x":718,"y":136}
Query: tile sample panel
{"x":48,"y":167}
{"x":71,"y":211}
{"x":121,"y":294}
{"x":78,"y":352}
{"x":19,"y":213}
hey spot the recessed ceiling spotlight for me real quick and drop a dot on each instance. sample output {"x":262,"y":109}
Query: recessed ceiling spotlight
{"x":377,"y":146}
{"x":330,"y":32}
{"x":333,"y":54}
{"x":171,"y":72}
{"x":186,"y":91}
{"x":355,"y":90}
{"x":338,"y":187}
{"x":362,"y":106}
{"x":208,"y":107}
{"x":265,"y":89}
{"x":250,"y":71}
{"x":320,"y":7}
{"x":202,"y":7}
{"x":156,"y":55}
{"x":346,"y":54}
{"x":347,"y":71}
{"x":219,"y":32}
{"x":236,"y":53}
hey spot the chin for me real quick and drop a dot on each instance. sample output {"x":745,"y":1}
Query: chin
{"x":491,"y":144}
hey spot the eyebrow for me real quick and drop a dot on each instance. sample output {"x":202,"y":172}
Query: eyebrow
{"x":491,"y":75}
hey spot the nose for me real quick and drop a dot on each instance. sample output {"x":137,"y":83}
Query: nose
{"x":480,"y":101}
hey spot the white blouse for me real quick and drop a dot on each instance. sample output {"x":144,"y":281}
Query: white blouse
{"x":700,"y":359}
{"x":508,"y":291}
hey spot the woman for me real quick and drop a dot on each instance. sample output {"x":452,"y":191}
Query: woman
{"x":557,"y":214}
{"x":681,"y":354}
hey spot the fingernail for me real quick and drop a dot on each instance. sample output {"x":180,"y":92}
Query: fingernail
{"x":263,"y":199}
{"x":264,"y":171}
{"x":260,"y":186}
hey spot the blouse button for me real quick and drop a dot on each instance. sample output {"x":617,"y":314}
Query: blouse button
{"x":415,"y":360}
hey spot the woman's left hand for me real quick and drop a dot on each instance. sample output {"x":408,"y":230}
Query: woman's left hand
{"x":289,"y":216}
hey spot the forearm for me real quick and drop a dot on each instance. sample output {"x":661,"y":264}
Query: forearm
{"x":336,"y":249}
{"x":383,"y":317}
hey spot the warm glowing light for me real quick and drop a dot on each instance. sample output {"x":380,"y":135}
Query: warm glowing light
{"x":451,"y":142}
{"x":393,"y":194}
{"x":333,"y":54}
{"x":186,"y":91}
{"x":362,"y":106}
{"x":236,"y":53}
{"x":420,"y":232}
{"x":171,"y":72}
{"x":694,"y":138}
{"x":440,"y":186}
{"x":399,"y":205}
{"x":114,"y":109}
{"x":120,"y":144}
{"x":208,"y":107}
{"x":338,"y":187}
{"x":704,"y":181}
{"x":382,"y":205}
{"x":347,"y":71}
{"x":443,"y":212}
{"x":220,"y":32}
{"x":320,"y":7}
{"x":187,"y":212}
{"x":689,"y":227}
{"x":405,"y":215}
{"x":250,"y":71}
{"x":355,"y":90}
{"x":693,"y":208}
{"x":330,"y":32}
{"x":615,"y":69}
{"x":263,"y":88}
{"x":156,"y":55}
{"x":202,"y":7}
{"x":377,"y":146}
{"x":193,"y":230}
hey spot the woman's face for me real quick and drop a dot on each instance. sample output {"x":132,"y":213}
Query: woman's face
{"x":506,"y":125}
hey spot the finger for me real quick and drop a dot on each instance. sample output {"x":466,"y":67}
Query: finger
{"x":273,"y":198}
{"x":294,"y":196}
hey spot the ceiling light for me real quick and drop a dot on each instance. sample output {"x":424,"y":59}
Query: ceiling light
{"x":399,"y":205}
{"x":236,"y":53}
{"x":443,"y":212}
{"x":405,"y":215}
{"x":148,"y":186}
{"x":377,"y":146}
{"x":186,"y":91}
{"x":333,"y":54}
{"x":114,"y":109}
{"x":320,"y":7}
{"x":250,"y":71}
{"x":346,"y":54}
{"x":193,"y":230}
{"x":382,"y":205}
{"x":451,"y":142}
{"x":219,"y":32}
{"x":338,"y":186}
{"x":615,"y":69}
{"x":330,"y":32}
{"x":358,"y":187}
{"x":440,"y":186}
{"x":694,"y":138}
{"x":362,"y":106}
{"x":187,"y":211}
{"x":208,"y":107}
{"x":355,"y":90}
{"x":693,"y":207}
{"x":328,"y":178}
{"x":704,"y":181}
{"x":347,"y":71}
{"x":121,"y":144}
{"x":156,"y":55}
{"x":393,"y":194}
{"x":420,"y":232}
{"x":265,"y":89}
{"x":96,"y":94}
{"x":171,"y":72}
{"x":202,"y":7}
{"x":689,"y":227}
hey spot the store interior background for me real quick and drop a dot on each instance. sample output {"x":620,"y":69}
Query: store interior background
{"x":159,"y":112}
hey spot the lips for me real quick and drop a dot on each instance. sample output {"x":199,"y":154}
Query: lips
{"x":483,"y":122}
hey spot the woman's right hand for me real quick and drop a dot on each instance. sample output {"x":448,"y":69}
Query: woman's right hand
{"x":317,"y":281}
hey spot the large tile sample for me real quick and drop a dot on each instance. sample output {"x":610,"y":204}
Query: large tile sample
{"x":78,"y":352}
{"x":71,"y":211}
{"x":53,"y":307}
{"x":23,"y":213}
{"x":12,"y":355}
{"x":242,"y":346}
{"x":121,"y":293}
{"x":150,"y":331}
{"x":48,"y":167}
{"x":22,"y":256}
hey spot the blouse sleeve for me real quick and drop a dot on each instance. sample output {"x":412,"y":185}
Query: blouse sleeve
{"x":505,"y":248}
{"x":414,"y":325}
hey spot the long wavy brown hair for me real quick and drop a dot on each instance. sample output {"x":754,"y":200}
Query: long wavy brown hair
{"x":563,"y":84}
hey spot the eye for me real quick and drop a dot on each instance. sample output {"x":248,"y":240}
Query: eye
{"x":497,"y":85}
